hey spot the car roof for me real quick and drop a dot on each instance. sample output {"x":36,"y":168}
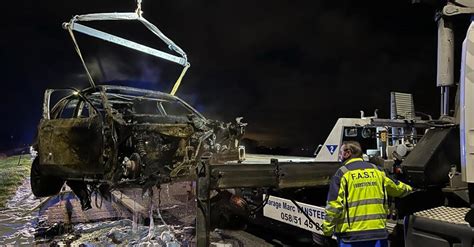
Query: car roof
{"x":140,"y":92}
{"x":132,"y":91}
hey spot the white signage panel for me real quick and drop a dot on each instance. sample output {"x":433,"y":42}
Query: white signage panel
{"x":286,"y":211}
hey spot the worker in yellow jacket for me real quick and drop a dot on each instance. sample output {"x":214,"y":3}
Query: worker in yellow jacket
{"x":356,"y":211}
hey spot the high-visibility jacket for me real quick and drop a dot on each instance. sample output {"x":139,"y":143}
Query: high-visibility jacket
{"x":357,"y":201}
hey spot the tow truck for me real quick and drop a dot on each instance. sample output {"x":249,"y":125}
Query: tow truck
{"x":436,"y":156}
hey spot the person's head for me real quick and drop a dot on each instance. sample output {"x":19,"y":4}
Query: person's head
{"x":349,"y":150}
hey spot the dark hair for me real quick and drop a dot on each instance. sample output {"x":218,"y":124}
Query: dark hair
{"x":354,"y":147}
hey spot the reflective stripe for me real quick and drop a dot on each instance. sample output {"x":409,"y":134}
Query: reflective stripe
{"x":344,"y":169}
{"x":328,"y":218}
{"x":367,"y":217}
{"x":333,"y":220}
{"x":366,"y":202}
{"x":364,"y":235}
{"x":333,"y":210}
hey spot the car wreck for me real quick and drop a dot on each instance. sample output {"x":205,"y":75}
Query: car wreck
{"x":107,"y":137}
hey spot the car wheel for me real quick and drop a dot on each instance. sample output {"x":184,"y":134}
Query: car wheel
{"x":42,"y":185}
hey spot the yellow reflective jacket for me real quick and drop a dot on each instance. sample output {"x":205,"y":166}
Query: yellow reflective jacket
{"x":357,"y":201}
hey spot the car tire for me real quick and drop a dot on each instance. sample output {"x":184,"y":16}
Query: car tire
{"x":42,"y":185}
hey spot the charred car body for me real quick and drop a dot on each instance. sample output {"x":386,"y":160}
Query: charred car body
{"x":107,"y":137}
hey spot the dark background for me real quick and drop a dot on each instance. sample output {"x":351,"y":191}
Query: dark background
{"x":290,"y":68}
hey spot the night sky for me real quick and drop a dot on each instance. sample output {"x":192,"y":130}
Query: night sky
{"x":290,"y":68}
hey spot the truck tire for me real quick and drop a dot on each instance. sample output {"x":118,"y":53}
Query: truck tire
{"x":42,"y":185}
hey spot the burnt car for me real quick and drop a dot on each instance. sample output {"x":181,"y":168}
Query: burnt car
{"x":107,"y":137}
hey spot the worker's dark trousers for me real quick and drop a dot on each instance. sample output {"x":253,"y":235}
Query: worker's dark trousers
{"x":373,"y":243}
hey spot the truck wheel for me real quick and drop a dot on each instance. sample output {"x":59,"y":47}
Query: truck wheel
{"x":42,"y":185}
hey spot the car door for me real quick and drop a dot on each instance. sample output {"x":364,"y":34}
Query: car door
{"x":70,"y":136}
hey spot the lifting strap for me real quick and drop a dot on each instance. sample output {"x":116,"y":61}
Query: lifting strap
{"x":72,"y":25}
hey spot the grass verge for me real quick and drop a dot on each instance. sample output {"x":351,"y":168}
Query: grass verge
{"x":13,"y":170}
